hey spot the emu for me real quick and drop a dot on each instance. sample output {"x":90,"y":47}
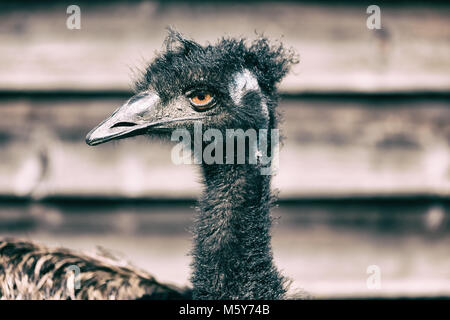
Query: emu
{"x":229,"y":85}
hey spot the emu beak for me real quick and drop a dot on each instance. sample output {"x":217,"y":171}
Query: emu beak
{"x":133,"y":118}
{"x":142,"y":113}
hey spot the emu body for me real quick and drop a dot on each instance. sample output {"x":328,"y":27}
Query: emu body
{"x":34,"y":272}
{"x":229,"y":85}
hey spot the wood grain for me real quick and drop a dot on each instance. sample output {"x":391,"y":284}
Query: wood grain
{"x":337,"y":147}
{"x":337,"y":51}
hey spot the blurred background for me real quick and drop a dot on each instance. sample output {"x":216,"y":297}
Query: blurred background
{"x":364,"y":175}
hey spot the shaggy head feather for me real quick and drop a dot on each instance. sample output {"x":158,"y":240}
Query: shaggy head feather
{"x":185,"y":64}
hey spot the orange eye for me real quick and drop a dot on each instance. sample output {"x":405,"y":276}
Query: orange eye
{"x":201,"y":100}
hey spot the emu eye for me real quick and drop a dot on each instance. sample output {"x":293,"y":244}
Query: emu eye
{"x":201,"y":100}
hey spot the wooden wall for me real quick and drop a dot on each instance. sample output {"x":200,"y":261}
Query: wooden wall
{"x":366,"y":112}
{"x":366,"y":115}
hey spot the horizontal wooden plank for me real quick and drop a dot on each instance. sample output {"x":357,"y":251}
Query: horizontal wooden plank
{"x":324,"y":249}
{"x":338,"y":147}
{"x":337,"y":51}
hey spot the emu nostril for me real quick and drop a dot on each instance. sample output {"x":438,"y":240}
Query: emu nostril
{"x":123,"y":124}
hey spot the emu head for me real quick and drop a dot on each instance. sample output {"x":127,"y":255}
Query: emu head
{"x":227,"y":85}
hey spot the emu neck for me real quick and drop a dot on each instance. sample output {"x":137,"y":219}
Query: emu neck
{"x":232,"y":251}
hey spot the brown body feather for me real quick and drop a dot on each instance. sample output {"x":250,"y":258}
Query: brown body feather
{"x":32,"y":271}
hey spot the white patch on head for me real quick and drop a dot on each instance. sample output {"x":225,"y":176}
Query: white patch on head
{"x":242,"y":83}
